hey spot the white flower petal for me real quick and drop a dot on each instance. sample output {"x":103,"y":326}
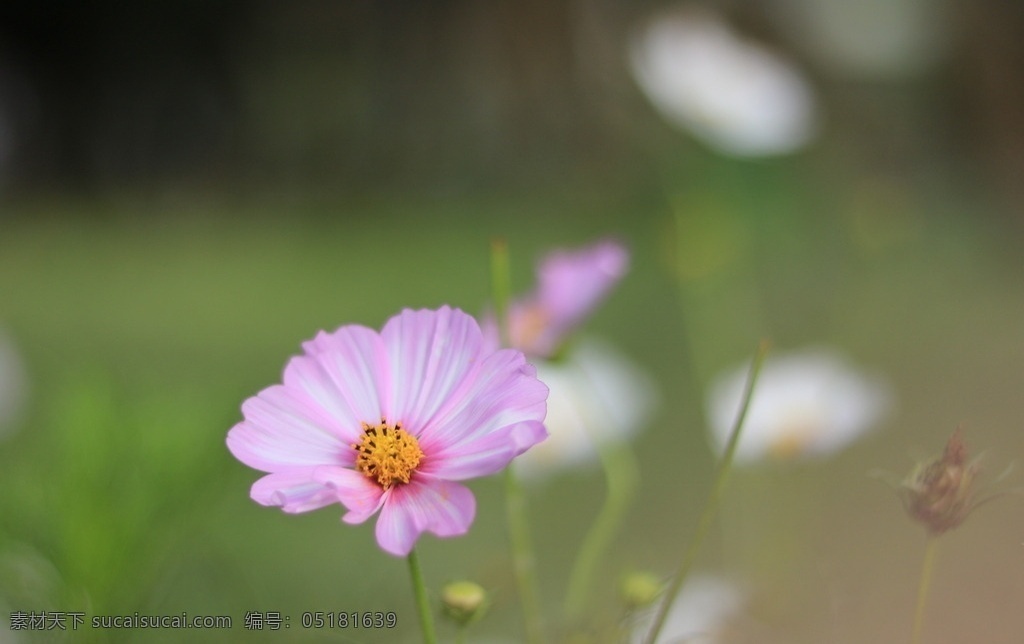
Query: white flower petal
{"x":738,"y":97}
{"x":597,"y":396}
{"x":699,"y":612}
{"x":809,"y":403}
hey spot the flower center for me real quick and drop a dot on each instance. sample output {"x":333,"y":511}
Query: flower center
{"x":387,"y":453}
{"x":796,"y":435}
{"x":528,"y":327}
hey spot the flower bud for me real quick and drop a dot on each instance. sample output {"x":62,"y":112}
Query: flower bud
{"x":464,"y":601}
{"x":639,"y":589}
{"x":940,"y":493}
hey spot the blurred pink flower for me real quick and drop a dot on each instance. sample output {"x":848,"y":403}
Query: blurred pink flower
{"x":390,"y":421}
{"x":569,"y":285}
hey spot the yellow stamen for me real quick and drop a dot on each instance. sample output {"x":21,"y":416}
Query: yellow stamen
{"x":387,"y":453}
{"x":796,"y":437}
{"x":789,"y":446}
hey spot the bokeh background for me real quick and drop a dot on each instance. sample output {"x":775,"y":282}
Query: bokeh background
{"x":190,"y":189}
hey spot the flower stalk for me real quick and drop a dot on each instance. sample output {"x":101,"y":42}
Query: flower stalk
{"x":714,"y":500}
{"x":923,"y":587}
{"x":501,"y":287}
{"x":622,"y":475}
{"x":523,"y":560}
{"x":422,"y":603}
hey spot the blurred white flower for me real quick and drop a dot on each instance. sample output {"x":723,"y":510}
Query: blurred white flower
{"x":807,"y":403}
{"x":597,"y":396}
{"x":13,"y":385}
{"x":700,"y":613}
{"x":738,"y":97}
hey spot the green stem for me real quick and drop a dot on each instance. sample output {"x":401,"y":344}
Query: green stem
{"x":621,"y":475}
{"x":523,"y":560}
{"x":501,"y":289}
{"x":922,"y":589}
{"x":422,"y":603}
{"x":714,"y":499}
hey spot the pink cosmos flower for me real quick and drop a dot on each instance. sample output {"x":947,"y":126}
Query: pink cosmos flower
{"x":569,"y":285}
{"x":390,"y":422}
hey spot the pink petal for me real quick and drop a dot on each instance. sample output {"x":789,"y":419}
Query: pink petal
{"x":346,"y":372}
{"x":430,"y":354}
{"x":532,"y":328}
{"x":503,"y":392}
{"x":283,"y":428}
{"x":360,"y":495}
{"x":294,"y":490}
{"x":571,"y":284}
{"x":486,"y":454}
{"x":311,"y":379}
{"x":491,"y":333}
{"x":425,"y":504}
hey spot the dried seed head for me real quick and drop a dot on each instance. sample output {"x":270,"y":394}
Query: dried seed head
{"x":940,"y":493}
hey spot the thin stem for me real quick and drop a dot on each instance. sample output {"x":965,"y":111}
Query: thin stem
{"x":422,"y":603}
{"x":621,"y":476}
{"x":714,"y":499}
{"x":523,"y":560}
{"x":501,"y":287}
{"x":922,"y":589}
